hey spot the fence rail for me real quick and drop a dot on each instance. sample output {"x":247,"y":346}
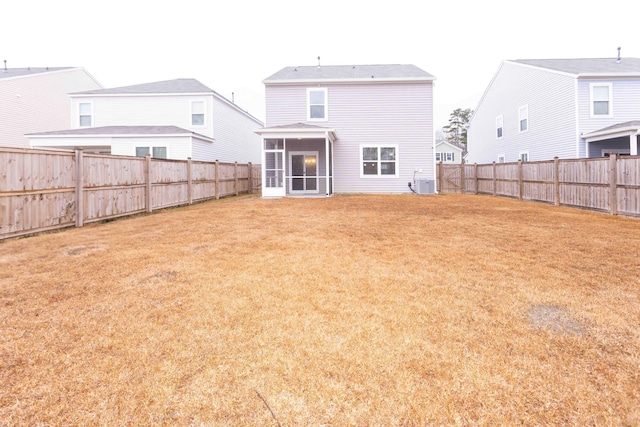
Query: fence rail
{"x":43,"y":190}
{"x":605,"y":184}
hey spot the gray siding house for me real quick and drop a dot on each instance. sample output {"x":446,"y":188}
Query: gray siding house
{"x":347,"y":129}
{"x":538,"y":109}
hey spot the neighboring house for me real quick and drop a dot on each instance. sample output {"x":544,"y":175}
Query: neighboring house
{"x":347,"y":129}
{"x":174,"y":119}
{"x":36,"y":99}
{"x":449,"y":152}
{"x":539,"y":109}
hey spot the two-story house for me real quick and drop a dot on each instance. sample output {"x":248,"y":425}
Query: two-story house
{"x":36,"y":100}
{"x":174,"y":119}
{"x":347,"y":129}
{"x":538,"y":109}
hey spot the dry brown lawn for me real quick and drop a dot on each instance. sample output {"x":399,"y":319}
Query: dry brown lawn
{"x":348,"y":311}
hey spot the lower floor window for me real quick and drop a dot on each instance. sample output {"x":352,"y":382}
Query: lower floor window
{"x":445,"y":157}
{"x":156,"y":152}
{"x":379,"y":160}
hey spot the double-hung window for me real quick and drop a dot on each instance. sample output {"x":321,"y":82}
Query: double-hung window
{"x":317,"y":104}
{"x":85,"y":111}
{"x":499,"y":127}
{"x":379,"y":160}
{"x":523,"y":118}
{"x":601,"y":102}
{"x":156,"y":152}
{"x":197,"y":113}
{"x":445,"y":157}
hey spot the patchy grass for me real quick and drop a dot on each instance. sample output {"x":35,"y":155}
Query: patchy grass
{"x":352,"y":310}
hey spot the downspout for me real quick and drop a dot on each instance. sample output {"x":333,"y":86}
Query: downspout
{"x":326,"y":162}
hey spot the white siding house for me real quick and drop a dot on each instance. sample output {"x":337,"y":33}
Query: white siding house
{"x":36,"y":100}
{"x":566,"y":108}
{"x":449,"y":153}
{"x":347,"y":129}
{"x":180,"y":118}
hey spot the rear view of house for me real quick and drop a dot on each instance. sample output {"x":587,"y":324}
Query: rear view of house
{"x":538,"y":109}
{"x":347,"y":129}
{"x":36,"y":100}
{"x":174,"y":119}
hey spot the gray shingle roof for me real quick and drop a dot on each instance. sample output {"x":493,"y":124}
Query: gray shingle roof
{"x":121,"y":130}
{"x":586,"y":65}
{"x":350,"y":72}
{"x":166,"y":86}
{"x":19,"y":72}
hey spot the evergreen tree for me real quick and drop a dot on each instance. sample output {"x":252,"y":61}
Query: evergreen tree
{"x":456,"y":130}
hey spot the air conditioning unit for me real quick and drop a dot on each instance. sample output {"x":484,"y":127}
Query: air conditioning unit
{"x":425,"y":186}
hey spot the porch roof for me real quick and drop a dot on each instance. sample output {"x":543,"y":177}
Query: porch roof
{"x":298,"y":131}
{"x":614,"y":131}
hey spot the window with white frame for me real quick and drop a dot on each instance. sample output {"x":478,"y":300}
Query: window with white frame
{"x":197,"y":113}
{"x":523,"y":118}
{"x":501,"y":158}
{"x":85,"y":110}
{"x":524,"y":156}
{"x":499,"y":127}
{"x":379,"y":160}
{"x":317,"y":104}
{"x":446,"y":157}
{"x":156,"y":152}
{"x":601,"y":102}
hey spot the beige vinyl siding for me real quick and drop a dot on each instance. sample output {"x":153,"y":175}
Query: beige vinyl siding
{"x":367,"y":114}
{"x":39,"y":103}
{"x":550,"y":98}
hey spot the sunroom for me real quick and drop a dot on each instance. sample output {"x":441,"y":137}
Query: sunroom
{"x":297,"y":161}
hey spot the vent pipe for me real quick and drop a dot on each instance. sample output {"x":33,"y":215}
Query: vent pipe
{"x":233,"y":97}
{"x":619,"y":57}
{"x":318,"y":62}
{"x":5,"y":66}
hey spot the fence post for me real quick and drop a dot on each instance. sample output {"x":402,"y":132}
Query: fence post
{"x":556,"y":181}
{"x":613,"y":184}
{"x":217,"y":171}
{"x":235,"y":178}
{"x":250,"y":174}
{"x":189,"y":182}
{"x":494,"y":179}
{"x":463,"y":184}
{"x":149,"y":186}
{"x":520,"y":186}
{"x":79,"y":188}
{"x":440,"y":178}
{"x":475,"y":176}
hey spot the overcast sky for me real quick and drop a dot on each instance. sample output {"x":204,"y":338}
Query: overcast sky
{"x":231,"y":46}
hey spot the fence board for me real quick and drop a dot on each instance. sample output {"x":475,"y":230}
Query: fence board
{"x":39,"y":188}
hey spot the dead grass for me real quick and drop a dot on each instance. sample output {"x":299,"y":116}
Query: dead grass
{"x":353,"y":310}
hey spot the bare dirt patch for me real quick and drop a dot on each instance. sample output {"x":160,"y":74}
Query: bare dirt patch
{"x":353,"y":310}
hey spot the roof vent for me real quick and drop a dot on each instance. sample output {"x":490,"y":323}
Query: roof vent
{"x":318,"y":62}
{"x":619,"y":60}
{"x":5,"y":67}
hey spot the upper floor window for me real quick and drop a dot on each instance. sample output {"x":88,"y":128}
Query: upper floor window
{"x":85,"y":114}
{"x":499,"y":127}
{"x":601,"y":105}
{"x":317,"y":104}
{"x":197,"y":113}
{"x":379,"y":160}
{"x":523,"y":118}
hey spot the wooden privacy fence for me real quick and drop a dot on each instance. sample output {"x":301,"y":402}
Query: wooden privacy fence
{"x":46,"y":189}
{"x":605,"y":184}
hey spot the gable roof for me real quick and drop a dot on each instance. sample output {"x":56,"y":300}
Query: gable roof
{"x":350,"y":73}
{"x":123,"y":130}
{"x":162,"y":87}
{"x":586,"y":66}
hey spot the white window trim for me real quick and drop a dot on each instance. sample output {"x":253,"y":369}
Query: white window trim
{"x":523,"y":114}
{"x":90,"y":114}
{"x":326,"y":104}
{"x":204,"y":113}
{"x":503,"y":157}
{"x":378,"y":175}
{"x":526,"y":152}
{"x":591,"y":100}
{"x":151,"y":147}
{"x":499,"y":119}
